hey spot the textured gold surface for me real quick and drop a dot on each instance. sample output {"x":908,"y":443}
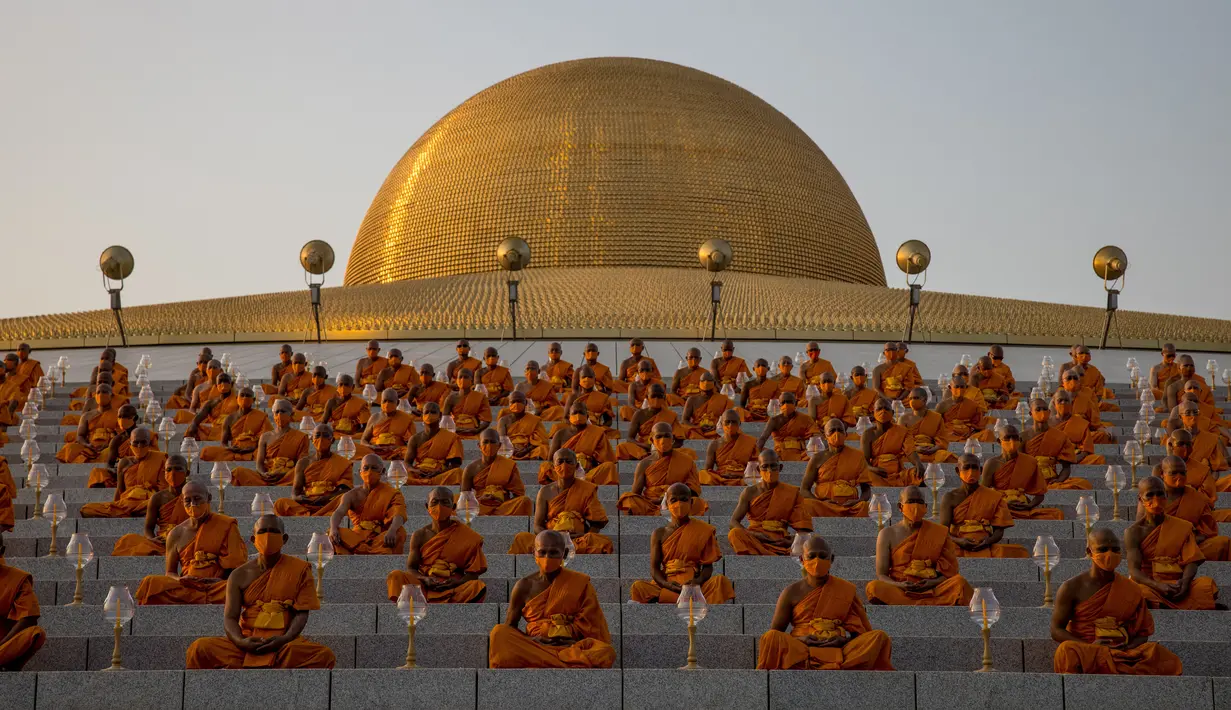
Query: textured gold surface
{"x":614,"y":162}
{"x":593,"y":299}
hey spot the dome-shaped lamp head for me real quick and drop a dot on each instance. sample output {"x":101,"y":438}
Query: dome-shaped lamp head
{"x":913,"y":257}
{"x":116,"y":263}
{"x":715,"y":255}
{"x":513,"y":254}
{"x":1110,"y":263}
{"x":316,"y":257}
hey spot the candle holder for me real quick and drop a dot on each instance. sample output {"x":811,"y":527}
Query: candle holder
{"x":412,"y":607}
{"x":262,"y":504}
{"x":220,"y":475}
{"x":36,"y":477}
{"x":879,"y":508}
{"x":506,"y":447}
{"x":55,"y":511}
{"x":862,"y":424}
{"x":816,"y":445}
{"x":190,"y":448}
{"x":752,"y":474}
{"x":1115,"y":481}
{"x":80,"y":550}
{"x":167,"y":429}
{"x":1087,"y":510}
{"x":153,"y":411}
{"x":985,"y":611}
{"x":570,"y":549}
{"x":322,"y":549}
{"x":691,"y":607}
{"x":973,"y":447}
{"x":1046,"y":556}
{"x":1226,"y":378}
{"x":1133,"y":454}
{"x":63,"y":366}
{"x":119,"y":606}
{"x":934,"y":476}
{"x":448,"y":424}
{"x":346,"y":447}
{"x":307,"y":424}
{"x":369,"y":393}
{"x":798,"y":544}
{"x":397,"y":473}
{"x":468,"y":507}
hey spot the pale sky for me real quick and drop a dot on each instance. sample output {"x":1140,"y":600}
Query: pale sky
{"x":214,"y":139}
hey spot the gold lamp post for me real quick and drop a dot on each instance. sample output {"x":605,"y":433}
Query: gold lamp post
{"x":985,"y":611}
{"x":1110,"y":263}
{"x":1134,"y":454}
{"x":220,"y":475}
{"x":1087,"y":510}
{"x":119,"y":606}
{"x":321,"y":548}
{"x":1046,"y":556}
{"x":934,"y":476}
{"x":513,"y":255}
{"x":715,"y":256}
{"x":116,"y":263}
{"x":36,"y":478}
{"x":82,"y":553}
{"x":54,"y":510}
{"x":913,"y":258}
{"x":691,"y":607}
{"x":316,"y":257}
{"x":1115,"y":481}
{"x":412,"y":607}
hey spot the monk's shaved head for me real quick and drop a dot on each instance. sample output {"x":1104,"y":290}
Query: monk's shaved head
{"x":995,"y":352}
{"x":769,"y":458}
{"x":465,"y":373}
{"x":985,"y":363}
{"x":490,"y":352}
{"x":489,"y":436}
{"x":679,"y":491}
{"x":440,"y":495}
{"x":657,"y":391}
{"x":787,"y":398}
{"x":707,"y":376}
{"x":283,"y":406}
{"x":140,"y":435}
{"x":585,"y":371}
{"x":817,"y":547}
{"x":591,"y":348}
{"x":516,"y":397}
{"x":761,"y":362}
{"x":919,"y":393}
{"x":463,"y":343}
{"x":1180,"y":437}
{"x":728,"y":345}
{"x":1073,"y":373}
{"x":911,"y":494}
{"x":1168,"y":348}
{"x":1062,"y":397}
{"x":1102,"y":537}
{"x":564,"y":456}
{"x":730,"y":417}
{"x":176,"y":462}
{"x":246,"y":393}
{"x":532,"y":366}
{"x":127,"y":412}
{"x":550,"y":543}
{"x":813,"y":346}
{"x":194,"y":489}
{"x":645,"y":366}
{"x":223,"y":379}
{"x":346,"y":381}
{"x":1038,"y":404}
{"x":891,"y":347}
{"x":958,"y":382}
{"x":102,"y":388}
{"x":555,"y":348}
{"x":662,"y":430}
{"x":426,"y":370}
{"x":1150,"y":484}
{"x":1008,"y":431}
{"x":693,"y":354}
{"x":1185,"y":360}
{"x":431,"y":408}
{"x":835,"y":426}
{"x":322,"y":430}
{"x":373,"y":462}
{"x":265,"y":524}
{"x":374,"y":345}
{"x":881,"y":403}
{"x":828,"y":377}
{"x":579,"y":407}
{"x":389,"y":395}
{"x":636,"y":343}
{"x":1173,"y":465}
{"x":320,"y":372}
{"x":858,"y":371}
{"x":786,"y":361}
{"x":966,"y":461}
{"x":284,"y":349}
{"x":299,"y":359}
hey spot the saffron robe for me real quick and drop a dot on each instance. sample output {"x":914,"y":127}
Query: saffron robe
{"x":216,"y":548}
{"x":369,"y":373}
{"x":322,"y":477}
{"x":835,"y":405}
{"x":790,"y":439}
{"x":895,"y":378}
{"x":661,"y":474}
{"x":314,"y":403}
{"x":1117,"y":611}
{"x":927,"y":553}
{"x":210,"y":428}
{"x":1196,"y":509}
{"x":729,"y":370}
{"x":594,"y":455}
{"x":684,"y":551}
{"x":456,"y":549}
{"x":568,"y":511}
{"x":170,"y":514}
{"x":528,"y":437}
{"x":402,"y":379}
{"x":1082,"y":436}
{"x":468,"y":411}
{"x":689,"y":385}
{"x":791,"y":384}
{"x":546,"y":403}
{"x":387,"y":437}
{"x":500,"y":491}
{"x":99,"y":432}
{"x":246,"y":433}
{"x":368,"y":524}
{"x":758,"y":401}
{"x":1049,"y":447}
{"x":1018,"y":478}
{"x":830,"y":611}
{"x":282,"y":452}
{"x":629,"y":451}
{"x":567,"y":609}
{"x":891,"y":452}
{"x":17,"y":597}
{"x":8,"y":490}
{"x":428,"y":468}
{"x":837,"y":481}
{"x":705,"y":417}
{"x":811,"y":371}
{"x":771,"y":513}
{"x":859,"y":403}
{"x":498,"y":381}
{"x":730,"y":460}
{"x":975,"y":517}
{"x":930,"y":430}
{"x":141,"y":479}
{"x":966,"y":421}
{"x":349,"y":417}
{"x":1164,"y":553}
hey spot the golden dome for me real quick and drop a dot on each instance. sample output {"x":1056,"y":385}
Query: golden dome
{"x":614,"y":162}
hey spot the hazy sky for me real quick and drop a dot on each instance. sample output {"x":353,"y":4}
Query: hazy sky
{"x":213,"y":139}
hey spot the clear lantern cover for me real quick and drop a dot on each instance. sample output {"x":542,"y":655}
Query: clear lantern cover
{"x":1046,"y":552}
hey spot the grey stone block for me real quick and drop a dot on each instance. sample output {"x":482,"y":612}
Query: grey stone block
{"x":661,"y":620}
{"x":78,"y":621}
{"x":47,"y":569}
{"x":593,"y":565}
{"x":63,"y":653}
{"x":168,"y":652}
{"x":672,"y":689}
{"x":1094,"y":692}
{"x":206,"y":620}
{"x":390,"y":689}
{"x":94,"y":592}
{"x":156,"y":690}
{"x":431,"y":650}
{"x":885,"y":690}
{"x":979,"y":691}
{"x":917,"y":653}
{"x":17,"y":689}
{"x":441,"y":619}
{"x":634,"y":566}
{"x":119,"y":568}
{"x":1222,"y":693}
{"x":511,"y":689}
{"x":308,"y":689}
{"x":671,"y":650}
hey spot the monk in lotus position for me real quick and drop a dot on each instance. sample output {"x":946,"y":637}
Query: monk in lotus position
{"x":104,"y":476}
{"x":558,"y":371}
{"x":682,"y":552}
{"x":495,"y":377}
{"x":860,"y":397}
{"x":686,"y":382}
{"x":434,"y":455}
{"x":470,"y":410}
{"x":786,"y":381}
{"x":888,"y":448}
{"x":204,"y":391}
{"x":1084,"y":405}
{"x":94,"y":432}
{"x":277,"y":452}
{"x":377,"y":513}
{"x":346,"y":413}
{"x":241,"y":432}
{"x":495,"y":480}
{"x":913,"y":378}
{"x":831,"y":403}
{"x":388,"y":431}
{"x":544,"y":393}
{"x":29,"y":371}
{"x":207,"y":425}
{"x":815,"y":366}
{"x":1091,"y":377}
{"x":892,"y":377}
{"x":1163,"y":372}
{"x":837,"y":483}
{"x":756,"y":394}
{"x":589,"y":444}
{"x":596,"y":401}
{"x":296,"y":379}
{"x":8,"y":489}
{"x":667,"y":465}
{"x":1017,"y":476}
{"x":565,"y":627}
{"x":428,"y":390}
{"x":977,"y":516}
{"x":280,"y":369}
{"x":1078,"y":430}
{"x":916,"y":561}
{"x":996,"y":353}
{"x":727,"y":458}
{"x":1180,"y":445}
{"x":926,"y":428}
{"x":397,"y":375}
{"x":88,"y":405}
{"x":1163,"y":555}
{"x":638,"y":445}
{"x":639,"y":390}
{"x":568,"y":505}
{"x":830,"y":630}
{"x":772,"y":508}
{"x":1207,"y":448}
{"x":320,"y":481}
{"x":525,"y":430}
{"x":201,"y":553}
{"x":1053,"y":451}
{"x":19,"y":613}
{"x":165,"y":511}
{"x":11,"y":400}
{"x":992,"y":385}
{"x":446,"y":557}
{"x":630,"y":366}
{"x":601,"y":373}
{"x":703,"y":410}
{"x":137,"y":478}
{"x":312,"y":401}
{"x":463,"y":361}
{"x":790,"y":428}
{"x":371,"y":365}
{"x":962,"y":415}
{"x":1175,"y":387}
{"x":267,"y":605}
{"x":1208,"y":416}
{"x":727,"y":367}
{"x":1101,"y":620}
{"x":1190,"y":505}
{"x":180,"y":398}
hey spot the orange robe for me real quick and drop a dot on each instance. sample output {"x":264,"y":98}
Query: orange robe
{"x":216,"y":548}
{"x":210,"y":392}
{"x":388,"y":437}
{"x":1195,"y":508}
{"x":811,"y":371}
{"x":568,"y":511}
{"x":837,"y":405}
{"x":1117,"y":611}
{"x":1199,"y":478}
{"x":18,"y":599}
{"x":730,"y":460}
{"x":975,"y":517}
{"x":368,"y":525}
{"x":403,"y":378}
{"x":995,"y":386}
{"x":323,"y":477}
{"x":276,"y":372}
{"x":8,"y":490}
{"x":1082,"y":436}
{"x":830,"y":611}
{"x":927,"y":553}
{"x":891,"y":452}
{"x":499,"y":383}
{"x":282,"y":452}
{"x":428,"y":468}
{"x":368,"y":375}
{"x":435,"y":392}
{"x":1164,"y":554}
{"x":314,"y":403}
{"x":597,"y":404}
{"x":965,"y":421}
{"x":895,"y":379}
{"x":729,"y":370}
{"x":500,"y":490}
{"x":1092,"y":379}
{"x":791,"y":384}
{"x":629,"y":451}
{"x":528,"y":437}
{"x":28,"y":374}
{"x":559,"y":373}
{"x":99,"y":433}
{"x":1086,"y":407}
{"x":1018,"y":478}
{"x":141,"y":479}
{"x":567,"y":609}
{"x":297,"y":385}
{"x":704,"y":423}
{"x":689,"y":385}
{"x":454,"y":548}
{"x":1206,"y":450}
{"x":636,"y":396}
{"x":684,"y":552}
{"x":790,"y":439}
{"x":1049,"y":447}
{"x":268,"y":604}
{"x":859,"y":404}
{"x":603,"y":379}
{"x":245,"y":434}
{"x":758,"y":401}
{"x":350,"y":417}
{"x":1164,"y":373}
{"x":210,"y":428}
{"x":661,"y":474}
{"x":456,"y":365}
{"x":594,"y":455}
{"x":546,"y":404}
{"x":930,"y":430}
{"x":170,"y":514}
{"x":837,"y":481}
{"x":771,"y":513}
{"x":468,"y":411}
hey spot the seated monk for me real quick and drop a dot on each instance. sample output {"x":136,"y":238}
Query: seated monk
{"x":1174,"y":391}
{"x":544,"y":393}
{"x":8,"y":490}
{"x":1017,"y":475}
{"x":277,"y":452}
{"x":463,"y":361}
{"x":912,"y":378}
{"x":703,"y":410}
{"x":992,"y":385}
{"x":1078,"y":430}
{"x":495,"y":377}
{"x":1207,"y":448}
{"x":632,"y":364}
{"x":524,"y":430}
{"x":434,"y":455}
{"x":588,"y":442}
{"x":1163,"y":372}
{"x":686,"y":382}
{"x":1180,"y":445}
{"x":1053,"y":451}
{"x":757,"y":392}
{"x":377,"y":513}
{"x":1163,"y":555}
{"x":567,"y":505}
{"x":814,"y":366}
{"x":559,"y":372}
{"x":1090,"y":377}
{"x":495,"y":480}
{"x":727,"y":458}
{"x":892,"y":377}
{"x":1085,"y":405}
{"x":279,"y":370}
{"x":603,"y":380}
{"x":12,"y":399}
{"x":295,"y":380}
{"x":682,"y":552}
{"x":656,"y":473}
{"x":370,"y":366}
{"x":790,"y":429}
{"x":830,"y":403}
{"x":727,"y":368}
{"x":836,"y":482}
{"x":996,"y":353}
{"x":29,"y":371}
{"x":94,"y":432}
{"x":977,"y":516}
{"x":388,"y":431}
{"x":446,"y":557}
{"x":1101,"y":620}
{"x":596,"y":401}
{"x":916,"y":561}
{"x":207,"y":425}
{"x":565,"y":627}
{"x":319,"y":482}
{"x":19,"y":612}
{"x":830,"y":630}
{"x":346,"y":413}
{"x":165,"y":511}
{"x":428,"y":390}
{"x":639,"y":390}
{"x":772,"y":507}
{"x":104,"y":476}
{"x":786,"y":381}
{"x":1208,"y":416}
{"x":204,"y":391}
{"x":470,"y":410}
{"x":137,"y":478}
{"x":926,"y":428}
{"x":312,"y":399}
{"x":180,"y":398}
{"x":202,"y":551}
{"x":637,"y":446}
{"x":267,"y":605}
{"x":859,"y":396}
{"x":1190,"y":505}
{"x":962,"y":414}
{"x":890,"y":450}
{"x":241,"y":432}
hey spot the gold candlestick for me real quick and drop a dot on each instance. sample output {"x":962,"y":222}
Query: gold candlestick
{"x":692,"y":640}
{"x":935,"y":505}
{"x":115,"y":652}
{"x":1115,"y":504}
{"x":1047,"y":597}
{"x":51,"y":550}
{"x":320,"y":577}
{"x":987,"y":643}
{"x":410,"y":644}
{"x":77,"y":593}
